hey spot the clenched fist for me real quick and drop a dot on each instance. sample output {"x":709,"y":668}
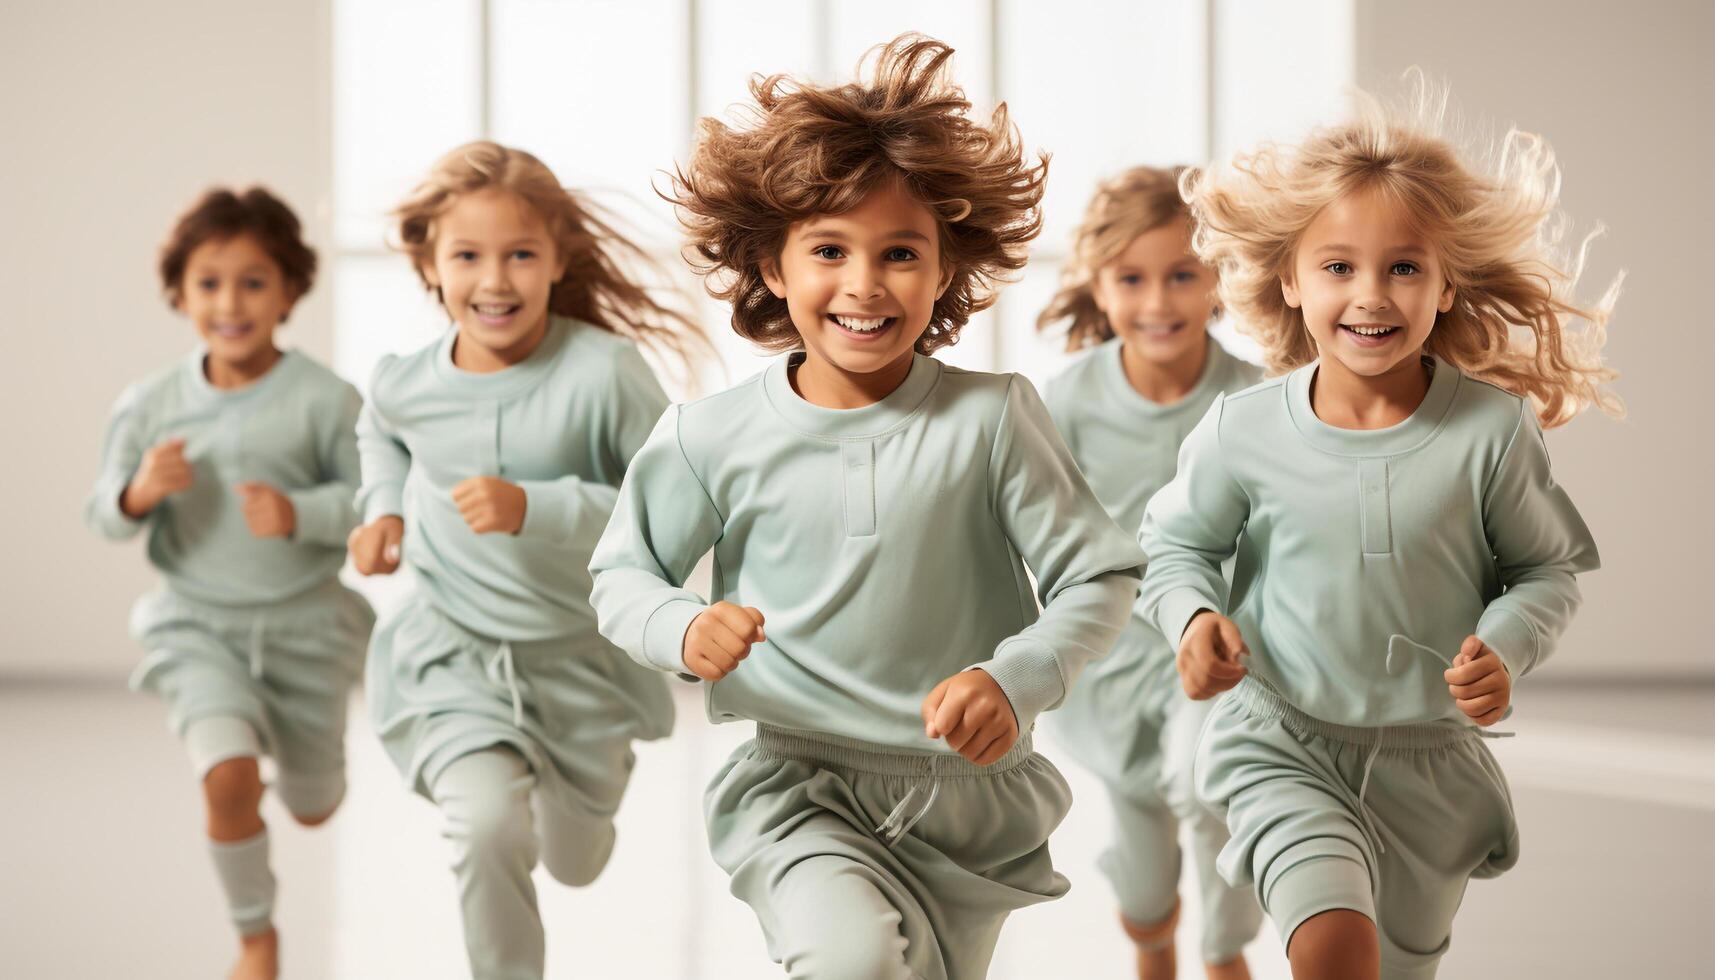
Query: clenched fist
{"x":269,"y":512}
{"x":374,"y":547}
{"x":1481,"y":685}
{"x":719,"y":638}
{"x":1209,"y":655}
{"x":973,"y":714}
{"x":490,"y":505}
{"x":163,"y":472}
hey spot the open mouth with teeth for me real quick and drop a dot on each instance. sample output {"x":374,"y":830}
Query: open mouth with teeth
{"x":231,"y":331}
{"x":862,"y":327}
{"x":1369,"y":334}
{"x":496,"y":314}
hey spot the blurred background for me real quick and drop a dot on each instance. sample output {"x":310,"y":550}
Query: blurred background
{"x":116,"y":114}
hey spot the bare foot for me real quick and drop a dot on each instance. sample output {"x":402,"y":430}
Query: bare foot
{"x":258,"y":957}
{"x":1233,"y":969}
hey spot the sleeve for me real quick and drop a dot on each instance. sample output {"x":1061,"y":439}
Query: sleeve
{"x":1540,"y":543}
{"x":121,"y":454}
{"x":1086,"y":568}
{"x":663,"y":523}
{"x":560,"y":509}
{"x":383,"y":459}
{"x":327,"y":512}
{"x":1190,"y":528}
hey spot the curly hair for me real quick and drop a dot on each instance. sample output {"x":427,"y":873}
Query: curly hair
{"x":1499,"y":236}
{"x":1124,"y":207}
{"x":594,"y":287}
{"x":809,"y":150}
{"x":221,"y":214}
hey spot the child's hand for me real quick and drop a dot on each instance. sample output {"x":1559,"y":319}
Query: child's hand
{"x":1479,"y":682}
{"x":374,"y":547}
{"x":490,"y":505}
{"x":1209,"y":655}
{"x":269,"y":512}
{"x":973,"y":714}
{"x":163,"y":472}
{"x":719,"y":638}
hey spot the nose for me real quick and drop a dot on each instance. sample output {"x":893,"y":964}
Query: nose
{"x":1372,"y":294}
{"x":228,"y":300}
{"x":494,"y":276}
{"x":862,"y":280}
{"x":1155,"y":297}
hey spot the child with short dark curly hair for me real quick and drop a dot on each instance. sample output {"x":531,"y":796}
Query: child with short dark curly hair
{"x":241,"y":462}
{"x":872,"y":512}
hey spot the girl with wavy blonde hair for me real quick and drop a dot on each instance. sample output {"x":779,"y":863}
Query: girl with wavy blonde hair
{"x":1402,"y":554}
{"x":1138,"y":301}
{"x":491,"y":461}
{"x":872,"y":512}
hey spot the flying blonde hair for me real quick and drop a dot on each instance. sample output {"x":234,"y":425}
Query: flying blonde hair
{"x":808,"y":150}
{"x":1124,"y":207}
{"x":594,"y":288}
{"x":1498,"y":231}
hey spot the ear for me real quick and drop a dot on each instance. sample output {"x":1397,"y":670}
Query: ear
{"x":1289,"y":291}
{"x":770,"y":269}
{"x":1446,"y":301}
{"x":945,"y":284}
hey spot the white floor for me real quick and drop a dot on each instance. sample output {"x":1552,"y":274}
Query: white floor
{"x":103,"y":872}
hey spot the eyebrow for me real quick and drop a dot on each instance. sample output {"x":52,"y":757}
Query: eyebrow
{"x":903,"y":233}
{"x":1402,"y":250}
{"x":527,"y":240}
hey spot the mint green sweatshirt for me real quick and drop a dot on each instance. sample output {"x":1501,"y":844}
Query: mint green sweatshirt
{"x":885,"y":545}
{"x":1128,"y":446}
{"x":563,"y":425}
{"x":1364,"y":558}
{"x":290,"y":428}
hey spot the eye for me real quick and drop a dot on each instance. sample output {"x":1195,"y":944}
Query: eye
{"x":1184,"y":275}
{"x":1404,"y":269}
{"x":208,"y":285}
{"x":1339,"y":268}
{"x":255,"y":285}
{"x":1131,"y":279}
{"x":830,"y":253}
{"x":465,"y":255}
{"x":523,"y":254}
{"x":901,"y":254}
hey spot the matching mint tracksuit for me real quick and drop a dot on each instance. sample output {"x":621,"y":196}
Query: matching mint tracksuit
{"x":1128,"y":720}
{"x":887,"y":547}
{"x":253,"y":643}
{"x":1362,"y":560}
{"x":490,"y":687}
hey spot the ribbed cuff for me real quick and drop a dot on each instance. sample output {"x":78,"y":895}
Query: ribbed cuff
{"x":664,"y":634}
{"x":1029,"y":675}
{"x":1176,"y":610}
{"x":1511,"y":638}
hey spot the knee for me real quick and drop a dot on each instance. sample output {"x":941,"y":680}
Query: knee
{"x":850,"y":959}
{"x":313,"y":799}
{"x":579,"y":862}
{"x":491,"y":828}
{"x":233,"y":788}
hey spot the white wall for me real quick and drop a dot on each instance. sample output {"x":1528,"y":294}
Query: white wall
{"x":116,"y":115}
{"x":1626,"y":95}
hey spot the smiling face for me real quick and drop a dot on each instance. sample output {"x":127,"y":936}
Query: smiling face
{"x":1156,"y":295}
{"x":236,"y":296}
{"x":495,"y":264}
{"x":861,"y":286}
{"x":1369,"y":285}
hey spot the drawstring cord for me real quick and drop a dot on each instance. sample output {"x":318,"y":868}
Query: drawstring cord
{"x":896,"y":826}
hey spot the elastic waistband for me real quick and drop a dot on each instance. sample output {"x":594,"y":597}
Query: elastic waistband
{"x":839,"y":752}
{"x":1257,"y":698}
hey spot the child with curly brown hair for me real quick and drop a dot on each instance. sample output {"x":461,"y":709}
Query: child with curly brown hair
{"x":1137,"y":301}
{"x":241,"y":463}
{"x":1403,"y":554}
{"x":872,"y":513}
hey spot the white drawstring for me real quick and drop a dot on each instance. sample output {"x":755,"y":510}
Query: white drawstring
{"x":895,"y":826}
{"x":501,"y":668}
{"x":1364,"y":810}
{"x":256,"y":648}
{"x":1399,"y":643}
